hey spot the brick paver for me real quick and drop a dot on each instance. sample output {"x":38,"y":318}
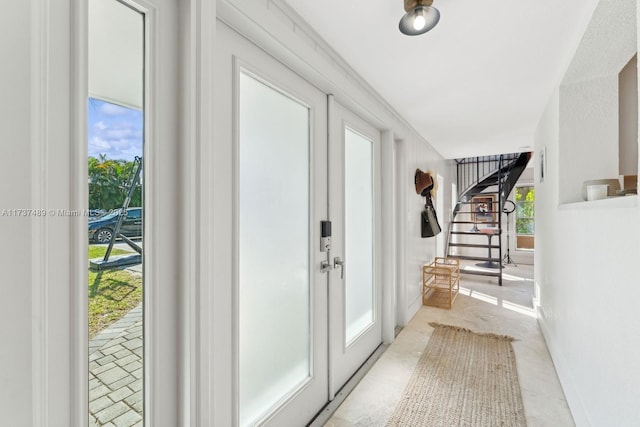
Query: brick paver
{"x":115,"y":373}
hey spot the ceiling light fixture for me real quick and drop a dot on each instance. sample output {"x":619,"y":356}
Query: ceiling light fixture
{"x":420,"y":17}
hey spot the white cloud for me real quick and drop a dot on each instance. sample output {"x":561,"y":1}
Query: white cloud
{"x":119,"y":133}
{"x":98,"y":142}
{"x":116,"y":131}
{"x":121,"y":144}
{"x":113,"y":110}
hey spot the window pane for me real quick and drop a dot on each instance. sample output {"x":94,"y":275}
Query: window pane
{"x":525,"y":210}
{"x":525,"y":226}
{"x":358,"y":233}
{"x":274,"y":284}
{"x":115,"y":141}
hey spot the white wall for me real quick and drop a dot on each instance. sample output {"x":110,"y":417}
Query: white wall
{"x":589,"y":134}
{"x":418,"y":251}
{"x":586,"y":258}
{"x":585,"y":268}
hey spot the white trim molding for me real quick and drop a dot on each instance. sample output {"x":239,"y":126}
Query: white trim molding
{"x":198,"y":20}
{"x":58,"y":242}
{"x":388,"y":237}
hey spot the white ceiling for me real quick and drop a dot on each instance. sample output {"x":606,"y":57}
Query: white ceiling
{"x":478,"y":82}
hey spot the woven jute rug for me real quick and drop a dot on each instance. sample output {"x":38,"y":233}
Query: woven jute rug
{"x":463,"y":378}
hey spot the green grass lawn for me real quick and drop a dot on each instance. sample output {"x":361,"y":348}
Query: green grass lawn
{"x":99,"y":251}
{"x":112,"y":293}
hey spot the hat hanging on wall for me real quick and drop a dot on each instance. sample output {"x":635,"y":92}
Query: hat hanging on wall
{"x":423,"y":182}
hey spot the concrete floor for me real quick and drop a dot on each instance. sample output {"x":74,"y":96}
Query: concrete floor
{"x":484,"y":307}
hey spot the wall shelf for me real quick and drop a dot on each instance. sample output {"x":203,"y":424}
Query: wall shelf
{"x":608,"y":203}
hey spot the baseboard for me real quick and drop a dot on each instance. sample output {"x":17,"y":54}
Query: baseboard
{"x":413,"y":308}
{"x":576,"y":407}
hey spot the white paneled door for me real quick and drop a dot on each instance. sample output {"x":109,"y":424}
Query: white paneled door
{"x":355,"y":326}
{"x":280,"y":196}
{"x":305,"y":319}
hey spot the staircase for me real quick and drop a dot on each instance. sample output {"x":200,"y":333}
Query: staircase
{"x":484,"y":184}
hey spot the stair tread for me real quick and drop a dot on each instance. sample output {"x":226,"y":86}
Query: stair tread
{"x":482,"y":193}
{"x":472,"y":222}
{"x":471,"y":213}
{"x":473,"y":258}
{"x":475,"y":203}
{"x":473,"y":245}
{"x":468,"y":233}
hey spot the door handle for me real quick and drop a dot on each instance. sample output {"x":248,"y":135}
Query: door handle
{"x":337,"y":261}
{"x":325,"y":266}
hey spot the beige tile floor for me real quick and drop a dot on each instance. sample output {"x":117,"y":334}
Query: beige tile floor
{"x":482,"y":306}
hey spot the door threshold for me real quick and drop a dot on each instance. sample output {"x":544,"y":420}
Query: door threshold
{"x":331,"y":407}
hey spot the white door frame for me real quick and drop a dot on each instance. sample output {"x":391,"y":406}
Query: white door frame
{"x":58,"y":103}
{"x":441,"y":237}
{"x":400,"y":226}
{"x":389,"y":208}
{"x":162,"y":240}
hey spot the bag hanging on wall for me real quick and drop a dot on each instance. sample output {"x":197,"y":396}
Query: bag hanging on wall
{"x":430,"y":226}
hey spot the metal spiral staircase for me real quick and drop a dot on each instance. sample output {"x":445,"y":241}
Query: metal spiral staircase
{"x":491,"y":176}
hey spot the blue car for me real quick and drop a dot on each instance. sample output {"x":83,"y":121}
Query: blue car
{"x":101,"y":229}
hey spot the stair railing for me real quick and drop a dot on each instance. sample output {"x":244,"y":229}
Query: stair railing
{"x":473,"y":170}
{"x":501,"y":200}
{"x":475,"y":174}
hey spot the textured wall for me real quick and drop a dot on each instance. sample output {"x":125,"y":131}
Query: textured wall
{"x":585,"y":260}
{"x":588,"y":134}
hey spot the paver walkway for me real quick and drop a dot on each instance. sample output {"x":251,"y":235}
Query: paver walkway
{"x":115,"y":373}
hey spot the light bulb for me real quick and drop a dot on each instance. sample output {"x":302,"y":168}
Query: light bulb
{"x":419,"y":21}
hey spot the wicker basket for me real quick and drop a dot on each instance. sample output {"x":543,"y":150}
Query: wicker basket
{"x":440,"y":282}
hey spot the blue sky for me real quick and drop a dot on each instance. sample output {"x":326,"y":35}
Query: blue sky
{"x":114,"y":131}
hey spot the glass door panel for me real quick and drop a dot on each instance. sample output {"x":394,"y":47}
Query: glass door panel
{"x":358,"y":212}
{"x":274,"y":247}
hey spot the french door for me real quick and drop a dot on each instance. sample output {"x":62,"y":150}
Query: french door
{"x":355,"y":326}
{"x":305,"y":317}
